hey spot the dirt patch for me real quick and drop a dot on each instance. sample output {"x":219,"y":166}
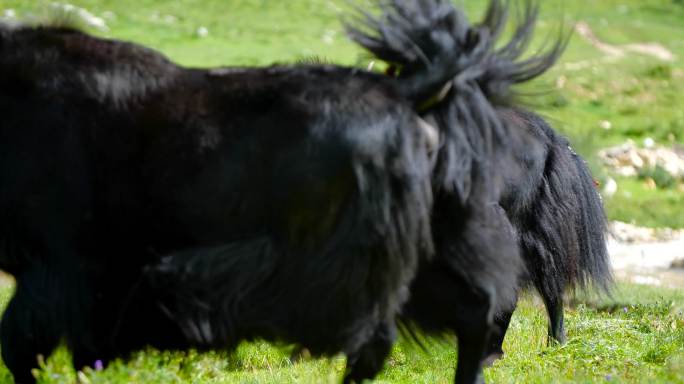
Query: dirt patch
{"x":649,"y":49}
{"x":646,"y":255}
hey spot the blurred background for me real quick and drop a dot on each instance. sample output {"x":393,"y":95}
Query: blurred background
{"x":617,"y":94}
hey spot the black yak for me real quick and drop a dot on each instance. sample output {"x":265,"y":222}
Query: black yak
{"x":295,"y":199}
{"x":477,"y":170}
{"x":529,"y":190}
{"x":476,"y":267}
{"x":559,"y":220}
{"x":144,"y":203}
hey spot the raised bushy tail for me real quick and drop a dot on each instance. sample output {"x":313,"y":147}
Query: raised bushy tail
{"x":432,"y":43}
{"x":457,"y":71}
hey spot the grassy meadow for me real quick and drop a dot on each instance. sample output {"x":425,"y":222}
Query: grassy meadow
{"x":636,"y":336}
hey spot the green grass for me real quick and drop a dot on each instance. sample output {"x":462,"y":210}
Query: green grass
{"x":636,"y":337}
{"x":639,"y":95}
{"x":657,"y":208}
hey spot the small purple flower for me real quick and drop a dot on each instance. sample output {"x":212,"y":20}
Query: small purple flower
{"x":624,"y":309}
{"x":610,"y":377}
{"x":98,"y":365}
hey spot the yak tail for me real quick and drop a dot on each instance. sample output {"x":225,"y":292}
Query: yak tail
{"x":594,"y":262}
{"x":432,"y":43}
{"x":456,"y":72}
{"x":565,"y":238}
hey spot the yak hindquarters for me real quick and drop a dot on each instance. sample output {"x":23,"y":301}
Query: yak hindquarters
{"x":559,"y":217}
{"x":563,"y":235}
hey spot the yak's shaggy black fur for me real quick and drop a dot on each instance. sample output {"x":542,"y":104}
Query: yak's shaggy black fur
{"x":289,"y":203}
{"x":524,"y":186}
{"x":477,"y":264}
{"x":144,"y":203}
{"x":552,"y":201}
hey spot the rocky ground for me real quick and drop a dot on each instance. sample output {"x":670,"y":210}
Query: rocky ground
{"x":647,"y":255}
{"x":659,"y":166}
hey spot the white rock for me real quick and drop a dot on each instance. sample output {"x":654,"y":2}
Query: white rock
{"x":202,"y":32}
{"x":636,"y":160}
{"x":610,"y":188}
{"x":649,"y":142}
{"x":605,"y":124}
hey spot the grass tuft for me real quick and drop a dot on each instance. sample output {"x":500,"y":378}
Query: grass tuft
{"x":636,"y":336}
